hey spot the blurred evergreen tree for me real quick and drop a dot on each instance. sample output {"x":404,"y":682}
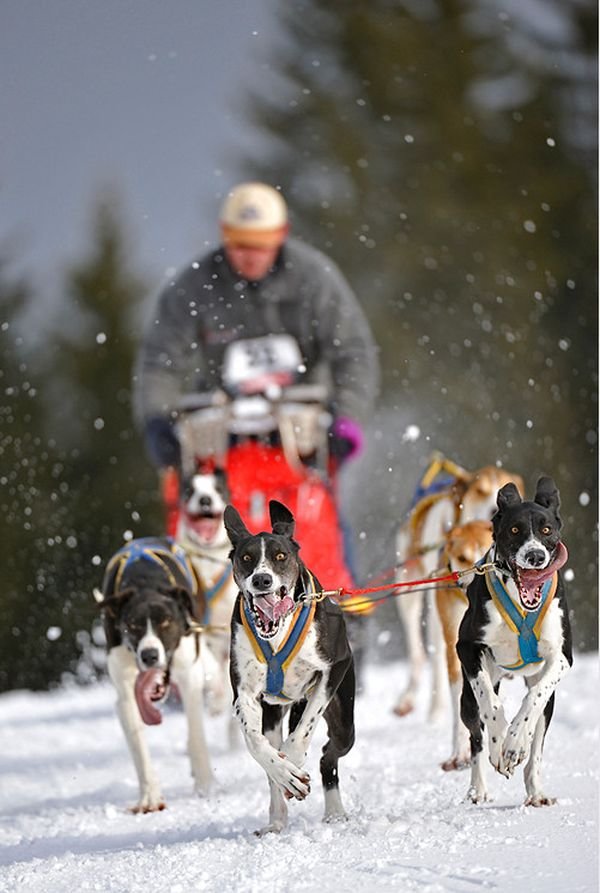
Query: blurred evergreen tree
{"x":81,"y":485}
{"x":30,"y":487}
{"x":112,"y":493}
{"x":443,"y":152}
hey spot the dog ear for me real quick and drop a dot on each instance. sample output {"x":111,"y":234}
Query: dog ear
{"x":547,"y":494}
{"x":184,"y":600}
{"x":113,"y":604}
{"x":507,"y":495}
{"x":282,"y":520}
{"x":235,"y":527}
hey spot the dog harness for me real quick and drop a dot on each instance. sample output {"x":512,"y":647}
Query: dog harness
{"x":217,"y":589}
{"x":278,"y":661}
{"x":526,"y":624}
{"x":163,"y":552}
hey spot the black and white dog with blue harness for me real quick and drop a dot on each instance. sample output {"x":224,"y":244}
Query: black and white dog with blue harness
{"x":517,"y":624}
{"x":289,"y":652}
{"x":150,"y":601}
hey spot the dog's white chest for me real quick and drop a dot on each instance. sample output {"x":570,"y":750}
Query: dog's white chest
{"x":504,"y":642}
{"x":297,"y":675}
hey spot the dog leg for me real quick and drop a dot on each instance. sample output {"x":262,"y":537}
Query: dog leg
{"x":523,"y":727}
{"x":278,"y":811}
{"x":410,"y":608}
{"x":187,"y":672}
{"x":295,"y":747}
{"x":278,"y":767}
{"x":532,"y":773}
{"x":123,"y":671}
{"x":477,"y":792}
{"x":478,"y":669}
{"x":436,"y":652}
{"x":339,"y":716}
{"x":451,"y":610}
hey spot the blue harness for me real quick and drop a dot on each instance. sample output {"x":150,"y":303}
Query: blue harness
{"x":211,"y":594}
{"x":165,"y":554}
{"x":526,"y":624}
{"x":278,"y":661}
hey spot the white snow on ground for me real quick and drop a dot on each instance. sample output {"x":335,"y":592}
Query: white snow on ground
{"x":66,"y":779}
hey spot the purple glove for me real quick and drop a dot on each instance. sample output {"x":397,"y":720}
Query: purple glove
{"x":347,"y":439}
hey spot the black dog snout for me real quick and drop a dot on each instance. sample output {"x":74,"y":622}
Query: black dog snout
{"x":263,"y":582}
{"x":205,"y":502}
{"x":535,"y":557}
{"x":149,"y":656}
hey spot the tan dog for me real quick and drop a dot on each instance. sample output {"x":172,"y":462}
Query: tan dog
{"x":465,"y":545}
{"x":470,"y":497}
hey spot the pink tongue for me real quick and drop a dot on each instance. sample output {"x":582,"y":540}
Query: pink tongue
{"x":150,"y":687}
{"x":530,"y":580}
{"x":272,"y":607}
{"x":206,"y":528}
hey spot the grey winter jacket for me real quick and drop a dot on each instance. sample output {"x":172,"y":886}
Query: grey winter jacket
{"x":207,"y":306}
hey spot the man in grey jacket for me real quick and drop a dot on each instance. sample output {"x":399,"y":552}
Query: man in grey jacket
{"x":260,"y":283}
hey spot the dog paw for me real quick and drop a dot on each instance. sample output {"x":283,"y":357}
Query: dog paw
{"x":403,"y":707}
{"x":477,"y":795}
{"x":293,"y":781}
{"x":540,"y":800}
{"x":144,"y":807}
{"x":456,"y":762}
{"x":516,"y":747}
{"x":271,"y":828}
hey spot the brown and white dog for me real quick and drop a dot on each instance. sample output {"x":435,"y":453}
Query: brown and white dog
{"x":201,"y":532}
{"x":464,"y":546}
{"x":471,"y":497}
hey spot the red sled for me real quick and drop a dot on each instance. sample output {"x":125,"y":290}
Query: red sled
{"x":257,"y":473}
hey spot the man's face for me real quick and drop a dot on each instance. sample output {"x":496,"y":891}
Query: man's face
{"x":251,"y":262}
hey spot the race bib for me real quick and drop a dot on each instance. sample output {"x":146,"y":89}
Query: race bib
{"x":253,"y":365}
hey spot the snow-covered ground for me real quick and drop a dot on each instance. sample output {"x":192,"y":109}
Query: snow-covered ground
{"x":66,"y":780}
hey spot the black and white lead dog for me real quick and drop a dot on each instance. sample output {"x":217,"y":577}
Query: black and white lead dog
{"x":288,"y":652}
{"x":517,"y":623}
{"x":149,"y":598}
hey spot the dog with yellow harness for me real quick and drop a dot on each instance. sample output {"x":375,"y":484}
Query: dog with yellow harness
{"x":289,"y":652}
{"x":447,"y":495}
{"x":517,"y":624}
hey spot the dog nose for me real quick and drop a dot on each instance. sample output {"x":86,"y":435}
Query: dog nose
{"x":263,"y":582}
{"x":205,"y":502}
{"x":535,"y":557}
{"x":149,"y":656}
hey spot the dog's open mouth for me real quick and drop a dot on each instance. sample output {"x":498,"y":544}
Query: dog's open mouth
{"x":151,"y":689}
{"x":269,"y":609}
{"x":530,"y":581}
{"x":205,"y":526}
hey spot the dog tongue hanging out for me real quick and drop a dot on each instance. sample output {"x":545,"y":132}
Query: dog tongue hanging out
{"x":289,"y":651}
{"x":517,"y":623}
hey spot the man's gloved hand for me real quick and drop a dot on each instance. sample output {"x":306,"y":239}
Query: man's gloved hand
{"x":161,"y":442}
{"x":346,"y":439}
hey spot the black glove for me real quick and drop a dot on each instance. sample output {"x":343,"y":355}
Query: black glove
{"x":161,"y":442}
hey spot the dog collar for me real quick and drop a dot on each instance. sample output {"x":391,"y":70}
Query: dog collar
{"x":278,"y":661}
{"x":171,"y":559}
{"x":526,"y":624}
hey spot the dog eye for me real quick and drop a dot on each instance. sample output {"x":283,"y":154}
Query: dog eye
{"x":546,"y":530}
{"x":514,"y":529}
{"x":164,"y":623}
{"x":246,"y":557}
{"x":281,"y":556}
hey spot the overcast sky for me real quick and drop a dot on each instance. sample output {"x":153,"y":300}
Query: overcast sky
{"x":142,"y":94}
